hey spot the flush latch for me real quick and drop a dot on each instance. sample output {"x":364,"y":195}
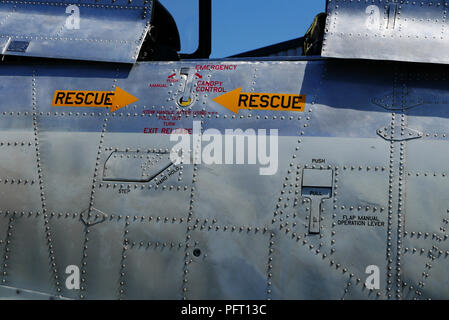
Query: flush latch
{"x":316,"y":186}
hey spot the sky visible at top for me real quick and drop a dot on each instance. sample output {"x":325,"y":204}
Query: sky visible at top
{"x":243,"y":25}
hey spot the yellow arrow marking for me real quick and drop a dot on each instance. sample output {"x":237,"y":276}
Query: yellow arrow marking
{"x":94,"y":99}
{"x":236,"y":100}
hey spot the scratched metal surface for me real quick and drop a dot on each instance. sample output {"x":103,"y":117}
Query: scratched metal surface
{"x":108,"y":31}
{"x":136,"y":239}
{"x":415,"y":31}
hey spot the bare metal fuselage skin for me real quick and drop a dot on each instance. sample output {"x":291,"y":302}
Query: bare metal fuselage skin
{"x":380,"y":129}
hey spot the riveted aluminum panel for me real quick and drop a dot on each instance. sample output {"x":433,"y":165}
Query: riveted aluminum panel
{"x":28,"y":263}
{"x":414,"y":31}
{"x":292,"y":218}
{"x":19,"y":189}
{"x":67,"y":235}
{"x":360,"y":232}
{"x":356,"y":184}
{"x":107,"y":31}
{"x":257,"y":77}
{"x":15,"y":79}
{"x":338,"y":113}
{"x":231,"y":266}
{"x":153,"y":273}
{"x":104,"y":243}
{"x":424,"y":260}
{"x":4,"y":226}
{"x":19,"y":185}
{"x":143,"y":200}
{"x":427,"y":84}
{"x":254,"y":194}
{"x":355,"y":291}
{"x":296,"y":268}
{"x":166,"y":194}
{"x":68,"y":126}
{"x":427,"y":203}
{"x":229,"y":212}
{"x":433,"y":280}
{"x":50,"y":77}
{"x":154,"y":259}
{"x":55,"y":164}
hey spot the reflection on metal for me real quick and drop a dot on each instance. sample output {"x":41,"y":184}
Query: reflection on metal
{"x":414,"y":31}
{"x":96,"y":189}
{"x":108,"y":30}
{"x":82,"y":180}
